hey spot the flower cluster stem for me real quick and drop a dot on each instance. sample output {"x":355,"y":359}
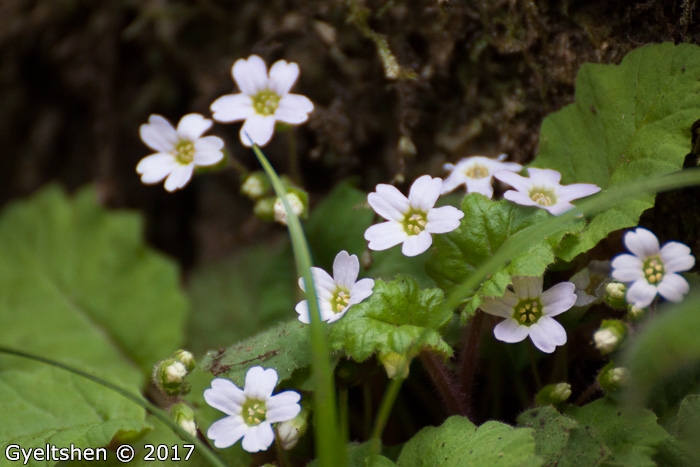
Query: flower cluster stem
{"x":444,"y":383}
{"x":469,"y":361}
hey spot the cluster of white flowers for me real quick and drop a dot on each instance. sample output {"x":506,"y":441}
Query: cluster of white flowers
{"x":263,"y":101}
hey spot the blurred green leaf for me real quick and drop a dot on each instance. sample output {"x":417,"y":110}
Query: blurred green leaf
{"x":458,"y":442}
{"x":629,"y":121}
{"x":398,"y":317}
{"x":487,"y":226}
{"x":237,"y":297}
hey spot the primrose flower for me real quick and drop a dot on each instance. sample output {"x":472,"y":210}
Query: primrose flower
{"x":251,"y":411}
{"x":411,"y":220}
{"x":336,"y":294}
{"x":529,"y":311}
{"x":651,"y":270}
{"x":476,"y":173}
{"x":178,"y":151}
{"x":264,"y":99}
{"x":543,"y":190}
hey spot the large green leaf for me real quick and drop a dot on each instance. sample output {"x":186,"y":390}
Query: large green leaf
{"x":487,"y":226}
{"x":458,"y":442}
{"x":629,"y":121}
{"x":398,"y":317}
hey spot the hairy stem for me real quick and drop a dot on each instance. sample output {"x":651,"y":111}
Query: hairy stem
{"x":469,"y":361}
{"x":444,"y":383}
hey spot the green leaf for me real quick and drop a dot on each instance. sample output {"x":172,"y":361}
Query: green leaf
{"x":629,"y":434}
{"x":683,"y":449}
{"x":235,"y":298}
{"x":284,"y":347}
{"x":52,"y":406}
{"x":629,"y":121}
{"x":398,"y":317}
{"x":458,"y":442}
{"x":488,"y":225}
{"x":80,"y":286}
{"x":560,"y":440}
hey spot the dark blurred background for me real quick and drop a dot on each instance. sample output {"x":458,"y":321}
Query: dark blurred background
{"x":78,"y":77}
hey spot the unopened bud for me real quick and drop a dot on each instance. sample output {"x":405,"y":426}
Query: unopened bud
{"x":396,"y":365}
{"x":184,"y":416}
{"x":186,"y":358}
{"x":265,"y":208}
{"x":635,"y":313}
{"x":612,"y":379}
{"x":255,"y":186}
{"x":291,"y":431}
{"x":610,"y":335}
{"x":553,"y":394}
{"x":169,"y":375}
{"x":615,"y":295}
{"x":295,"y":203}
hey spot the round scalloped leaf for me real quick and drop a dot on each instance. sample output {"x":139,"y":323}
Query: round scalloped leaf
{"x":629,"y":121}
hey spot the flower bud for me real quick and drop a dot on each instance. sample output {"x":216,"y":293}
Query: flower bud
{"x":264,"y":209}
{"x":291,"y":431}
{"x":610,"y":335}
{"x":255,"y":185}
{"x":612,"y":379}
{"x":635,"y":313}
{"x":169,"y":376}
{"x":186,"y":358}
{"x":295,"y":203}
{"x":184,"y":416}
{"x":615,"y":295}
{"x":396,"y":364}
{"x":553,"y":394}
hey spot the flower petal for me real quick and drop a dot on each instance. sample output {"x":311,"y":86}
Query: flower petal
{"x":676,"y":257}
{"x":480,"y":185}
{"x":158,"y":134}
{"x":225,"y":396}
{"x":455,"y":179}
{"x":560,"y":208}
{"x":627,"y":268}
{"x":283,"y":406}
{"x":389,"y":202}
{"x":179,"y":177}
{"x":156,"y":167}
{"x":641,"y":293}
{"x":385,"y":235}
{"x":294,"y":109}
{"x":259,"y":129}
{"x":547,"y":334}
{"x":283,"y":75}
{"x":424,"y":192}
{"x":500,"y":306}
{"x":302,"y":310}
{"x":558,"y":299}
{"x":193,"y":126}
{"x":417,"y":244}
{"x":232,"y":108}
{"x":259,"y":383}
{"x":547,"y":177}
{"x":673,"y":287}
{"x":510,"y":331}
{"x":346,"y":268}
{"x":568,"y":193}
{"x":642,"y":243}
{"x":520,"y":183}
{"x":227,"y":431}
{"x":250,"y":75}
{"x":520,"y":198}
{"x":360,"y":290}
{"x":258,"y":438}
{"x":527,"y":287}
{"x":444,"y":219}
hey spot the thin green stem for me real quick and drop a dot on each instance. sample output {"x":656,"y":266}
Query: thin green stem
{"x":367,"y":406}
{"x":294,"y":169}
{"x":331,"y":449}
{"x":385,"y":410}
{"x":158,"y":413}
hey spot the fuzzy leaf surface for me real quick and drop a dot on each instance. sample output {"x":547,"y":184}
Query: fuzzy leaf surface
{"x":458,"y":442}
{"x":629,"y":121}
{"x":398,"y":317}
{"x":487,"y":225}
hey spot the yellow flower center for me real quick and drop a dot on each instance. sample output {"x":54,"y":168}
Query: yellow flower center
{"x":528,"y":311}
{"x":543,"y":197}
{"x":415,"y":222}
{"x":266,"y":102}
{"x":340,"y":300}
{"x":253,"y":412}
{"x":477,"y":171}
{"x":184,"y":152}
{"x":653,"y":269}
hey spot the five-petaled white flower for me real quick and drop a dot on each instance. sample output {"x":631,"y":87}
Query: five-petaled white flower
{"x":178,"y":151}
{"x":651,"y":269}
{"x":476,"y":173}
{"x":251,"y":411}
{"x":411,"y":220}
{"x":263,"y":99}
{"x":529,"y":311}
{"x":336,"y":294}
{"x":543,"y":190}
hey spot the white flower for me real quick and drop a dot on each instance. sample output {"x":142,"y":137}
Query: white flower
{"x":336,"y":294}
{"x":177,"y":151}
{"x":412,"y":220}
{"x":263,"y":99}
{"x":250,"y":411}
{"x":476,"y":173}
{"x":543,"y":190}
{"x":651,"y":269}
{"x":591,"y":282}
{"x":529,"y":312}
